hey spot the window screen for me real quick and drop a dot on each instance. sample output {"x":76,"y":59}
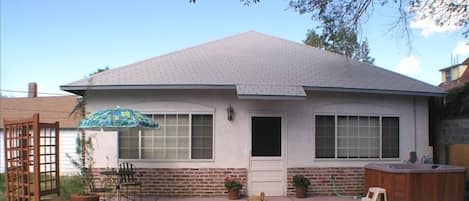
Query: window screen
{"x":325,"y":136}
{"x":266,"y":136}
{"x":390,"y":132}
{"x":180,"y":137}
{"x":202,"y":136}
{"x":349,"y":136}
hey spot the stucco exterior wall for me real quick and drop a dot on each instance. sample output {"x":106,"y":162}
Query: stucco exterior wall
{"x":232,"y":138}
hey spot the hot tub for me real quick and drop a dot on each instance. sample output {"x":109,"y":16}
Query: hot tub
{"x":419,"y":182}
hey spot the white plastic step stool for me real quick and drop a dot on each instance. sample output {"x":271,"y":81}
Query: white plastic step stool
{"x":375,"y":191}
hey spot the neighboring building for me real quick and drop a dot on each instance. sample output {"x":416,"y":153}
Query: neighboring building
{"x":50,"y":109}
{"x":455,"y":75}
{"x":260,"y":108}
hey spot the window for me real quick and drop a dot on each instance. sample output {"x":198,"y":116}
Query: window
{"x":348,"y":137}
{"x":390,"y":133}
{"x":201,"y":137}
{"x":448,"y":75}
{"x":325,"y":137}
{"x":266,"y":135}
{"x":180,"y":137}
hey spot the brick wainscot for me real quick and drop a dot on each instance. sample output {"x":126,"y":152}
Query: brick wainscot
{"x":210,"y":181}
{"x":184,"y":181}
{"x":349,"y":180}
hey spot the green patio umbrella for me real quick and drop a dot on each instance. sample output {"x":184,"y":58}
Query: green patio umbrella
{"x":117,"y":118}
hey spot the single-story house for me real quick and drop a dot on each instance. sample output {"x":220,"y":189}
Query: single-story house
{"x":51,"y":109}
{"x":262,"y":109}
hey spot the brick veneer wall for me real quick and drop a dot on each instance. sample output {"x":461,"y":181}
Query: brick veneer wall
{"x":184,"y":181}
{"x":349,"y":180}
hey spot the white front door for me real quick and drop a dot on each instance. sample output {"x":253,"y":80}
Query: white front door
{"x":266,"y":167}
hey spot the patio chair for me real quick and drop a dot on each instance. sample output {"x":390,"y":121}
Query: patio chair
{"x":106,"y":191}
{"x":128,"y":183}
{"x":375,"y":194}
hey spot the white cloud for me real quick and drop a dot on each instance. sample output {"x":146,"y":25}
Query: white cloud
{"x":429,"y":27}
{"x":461,"y":49}
{"x":431,"y":17}
{"x":408,"y":65}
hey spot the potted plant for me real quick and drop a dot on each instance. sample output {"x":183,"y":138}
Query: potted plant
{"x":233,"y":186}
{"x":301,"y":184}
{"x":84,"y":163}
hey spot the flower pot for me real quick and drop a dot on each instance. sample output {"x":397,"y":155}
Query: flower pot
{"x":84,"y":197}
{"x":233,"y":194}
{"x":300,"y":192}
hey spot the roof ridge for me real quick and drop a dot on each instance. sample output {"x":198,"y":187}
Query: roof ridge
{"x":170,"y":53}
{"x":202,"y":45}
{"x":394,"y":73}
{"x":307,"y":63}
{"x":348,"y":58}
{"x":302,"y":45}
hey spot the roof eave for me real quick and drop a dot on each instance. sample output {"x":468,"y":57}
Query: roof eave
{"x":452,"y":66}
{"x":376,"y":91}
{"x":80,"y":89}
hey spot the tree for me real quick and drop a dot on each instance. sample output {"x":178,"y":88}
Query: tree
{"x":343,"y":42}
{"x":99,"y":70}
{"x":334,"y":14}
{"x":457,"y":102}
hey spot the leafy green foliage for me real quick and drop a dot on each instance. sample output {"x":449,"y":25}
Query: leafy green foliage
{"x":84,"y":162}
{"x":100,"y":70}
{"x":70,"y":185}
{"x":335,"y":14}
{"x":344,"y":42}
{"x":2,"y":187}
{"x":301,"y":181}
{"x":232,"y":183}
{"x":457,"y":102}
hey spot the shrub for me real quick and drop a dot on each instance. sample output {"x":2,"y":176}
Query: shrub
{"x":301,"y":181}
{"x":232,"y":183}
{"x":70,"y":185}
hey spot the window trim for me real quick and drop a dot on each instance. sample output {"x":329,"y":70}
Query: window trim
{"x":379,"y":115}
{"x":190,"y":140}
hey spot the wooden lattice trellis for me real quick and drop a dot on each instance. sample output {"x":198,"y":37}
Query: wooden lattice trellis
{"x":31,"y":159}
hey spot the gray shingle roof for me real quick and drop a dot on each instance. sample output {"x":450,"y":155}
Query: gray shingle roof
{"x":255,"y":63}
{"x":269,"y":91}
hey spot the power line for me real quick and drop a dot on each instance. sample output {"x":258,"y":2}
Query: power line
{"x":45,"y":93}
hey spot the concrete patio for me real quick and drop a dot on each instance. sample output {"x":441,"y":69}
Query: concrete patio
{"x":311,"y":198}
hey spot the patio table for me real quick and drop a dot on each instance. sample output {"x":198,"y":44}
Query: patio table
{"x":114,"y":176}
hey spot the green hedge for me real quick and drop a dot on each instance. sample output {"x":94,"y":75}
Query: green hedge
{"x":68,"y":185}
{"x":456,"y":102}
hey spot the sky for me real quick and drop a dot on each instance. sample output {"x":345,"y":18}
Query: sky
{"x":57,"y":42}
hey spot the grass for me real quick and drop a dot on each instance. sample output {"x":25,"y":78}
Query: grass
{"x":68,"y":185}
{"x":2,"y":187}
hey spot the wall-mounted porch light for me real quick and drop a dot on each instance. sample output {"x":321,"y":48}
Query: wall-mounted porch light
{"x":230,"y":113}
